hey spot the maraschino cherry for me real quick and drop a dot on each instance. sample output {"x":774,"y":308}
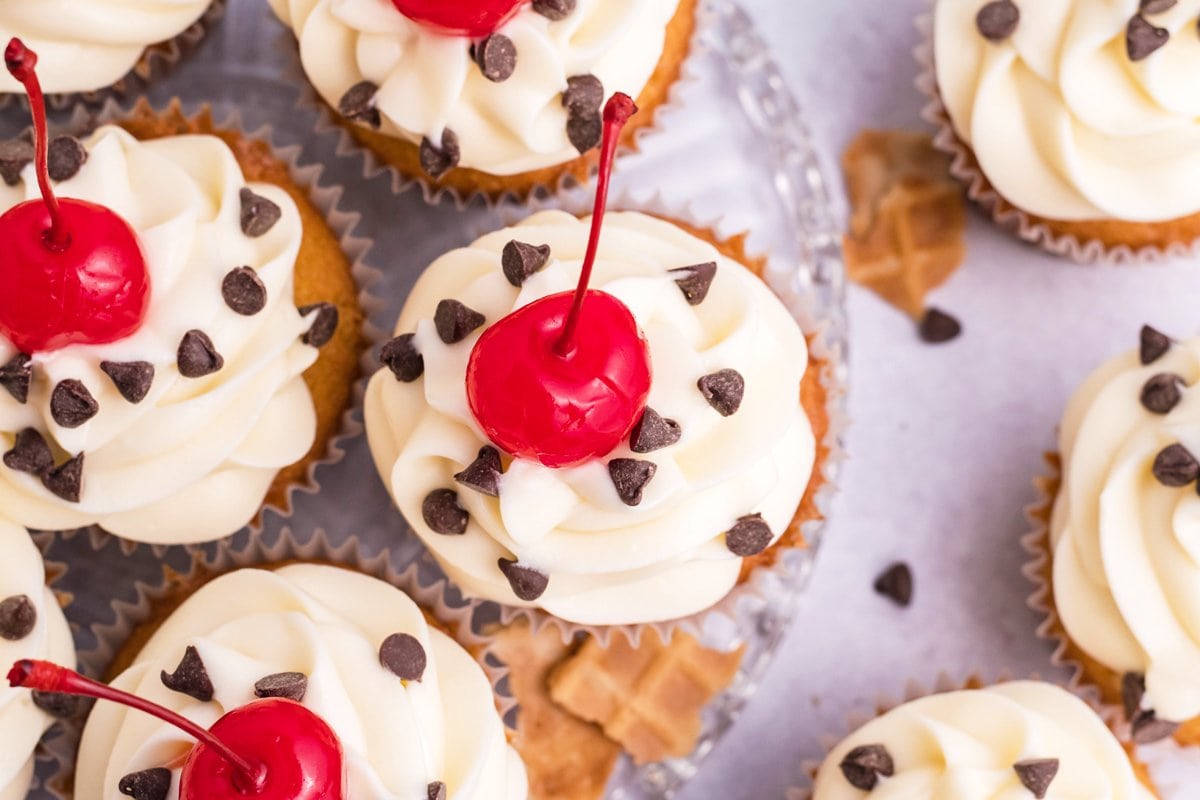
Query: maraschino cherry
{"x":565,"y":378}
{"x":473,"y":18}
{"x":74,"y":272}
{"x":272,"y":749}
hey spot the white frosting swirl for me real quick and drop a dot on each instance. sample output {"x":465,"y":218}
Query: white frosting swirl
{"x":21,"y":722}
{"x":1063,"y":123}
{"x":609,"y":563}
{"x":428,"y":82}
{"x":85,"y":45}
{"x":963,"y":745}
{"x":193,"y":460}
{"x":1126,"y":548}
{"x":328,"y":623}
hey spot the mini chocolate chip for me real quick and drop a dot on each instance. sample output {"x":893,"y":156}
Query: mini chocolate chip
{"x":66,"y":480}
{"x":585,"y":130}
{"x":1133,"y":689}
{"x":496,"y":56}
{"x":401,"y":357}
{"x":998,"y":20}
{"x":527,"y":583}
{"x":259,"y":214}
{"x":149,"y":784}
{"x":938,"y":327}
{"x":56,"y":704}
{"x":403,"y":656}
{"x":66,"y":156}
{"x":290,"y":685}
{"x":1157,"y":6}
{"x":723,"y":390}
{"x":653,"y":432}
{"x":15,"y":155}
{"x":1142,"y":38}
{"x":1154,"y":345}
{"x":455,"y":321}
{"x":443,"y":514}
{"x":358,"y":104}
{"x":583,"y":96}
{"x":324,"y":324}
{"x":132,"y":378}
{"x":18,"y":616}
{"x":190,"y":677}
{"x":244,"y":291}
{"x":520,"y":260}
{"x":71,"y":404}
{"x":16,"y":375}
{"x":1175,"y":466}
{"x":695,"y":281}
{"x":483,"y":474}
{"x":864,"y":765}
{"x":437,"y":161}
{"x":749,"y":536}
{"x":1147,"y":728}
{"x":197,"y":355}
{"x":896,"y":583}
{"x":1037,"y":774}
{"x":554,"y":10}
{"x":1162,"y":393}
{"x":436,"y":791}
{"x":30,"y":453}
{"x":630,"y":476}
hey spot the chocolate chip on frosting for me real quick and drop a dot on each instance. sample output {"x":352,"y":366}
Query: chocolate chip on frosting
{"x":66,"y":480}
{"x":57,"y":704}
{"x":584,"y":131}
{"x":1162,"y":393}
{"x":437,"y":161}
{"x":496,"y":56}
{"x":584,"y":95}
{"x":1147,"y":728}
{"x":1156,"y":6}
{"x":695,"y":281}
{"x":1142,"y":38}
{"x":244,"y":291}
{"x":358,"y":104}
{"x":403,"y":656}
{"x":190,"y":677}
{"x":258,"y":214}
{"x":132,"y":378}
{"x":896,"y":583}
{"x":455,"y":321}
{"x":630,"y":476}
{"x":1174,"y":466}
{"x":16,"y":375}
{"x":520,"y":260}
{"x":435,"y":791}
{"x":400,"y":355}
{"x":15,"y":155}
{"x":71,"y":404}
{"x":149,"y":784}
{"x":554,"y":10}
{"x":938,"y":327}
{"x":1133,"y":689}
{"x":65,"y":157}
{"x":749,"y":536}
{"x":289,"y":685}
{"x":863,"y":766}
{"x":527,"y":583}
{"x":1154,"y":345}
{"x":483,"y":474}
{"x":653,"y":432}
{"x":197,"y":355}
{"x":1037,"y":774}
{"x":443,"y":514}
{"x":324,"y":324}
{"x":30,"y":453}
{"x":723,"y":390}
{"x":998,"y":20}
{"x":18,"y":616}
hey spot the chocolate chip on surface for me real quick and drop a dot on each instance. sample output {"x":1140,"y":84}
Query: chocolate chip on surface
{"x":1133,"y":689}
{"x":403,"y":656}
{"x":65,"y":157}
{"x":1154,"y":345}
{"x":1174,"y":466}
{"x":1162,"y":393}
{"x":583,"y":96}
{"x":863,"y":766}
{"x":436,"y":791}
{"x":244,"y":292}
{"x":1142,"y":38}
{"x":400,"y":355}
{"x":30,"y":453}
{"x":554,"y":10}
{"x":16,"y":375}
{"x":71,"y":404}
{"x":584,"y":131}
{"x":497,"y":57}
{"x":197,"y":355}
{"x":324,"y":324}
{"x":258,"y":214}
{"x":695,"y":281}
{"x":443,"y":514}
{"x":1147,"y":728}
{"x":149,"y":784}
{"x":66,"y":480}
{"x":358,"y":104}
{"x":527,"y":583}
{"x":59,"y":705}
{"x":18,"y":617}
{"x":630,"y":476}
{"x":1037,"y":774}
{"x":653,"y":432}
{"x":896,"y":583}
{"x":998,"y":20}
{"x":133,"y":379}
{"x":483,"y":474}
{"x":437,"y":161}
{"x":938,"y":327}
{"x":520,"y":260}
{"x":290,"y":685}
{"x":1156,"y":6}
{"x":723,"y":390}
{"x":190,"y":677}
{"x":15,"y":155}
{"x":455,"y":321}
{"x":749,"y":536}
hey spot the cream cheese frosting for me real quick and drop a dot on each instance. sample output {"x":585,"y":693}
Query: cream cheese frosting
{"x":607,"y":562}
{"x":1125,"y":552}
{"x":22,"y":723}
{"x":84,"y":45}
{"x":428,"y":82}
{"x":193,"y":460}
{"x":328,"y":623}
{"x":964,"y":745}
{"x":1063,"y":123}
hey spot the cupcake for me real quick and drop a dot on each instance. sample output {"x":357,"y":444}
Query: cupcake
{"x":1074,"y":118}
{"x":1021,"y":739}
{"x":492,"y":98}
{"x":199,"y":354}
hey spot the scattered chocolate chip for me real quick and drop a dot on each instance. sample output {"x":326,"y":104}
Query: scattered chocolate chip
{"x":1157,"y":6}
{"x":66,"y":480}
{"x":66,"y":156}
{"x":290,"y":685}
{"x":437,"y":161}
{"x":403,"y":656}
{"x":630,"y":476}
{"x":1037,"y":774}
{"x":1147,"y":728}
{"x":190,"y":677}
{"x":259,"y":214}
{"x":520,"y":260}
{"x":455,"y":321}
{"x":324,"y":324}
{"x":244,"y":291}
{"x":401,"y":357}
{"x":723,"y":390}
{"x":358,"y":104}
{"x":15,"y":155}
{"x":443,"y":514}
{"x":56,"y":704}
{"x":1154,"y":345}
{"x":937,"y":327}
{"x":695,"y":281}
{"x":16,"y":375}
{"x":197,"y":355}
{"x":483,"y":474}
{"x":863,"y":766}
{"x":998,"y":20}
{"x":149,"y":784}
{"x":749,"y":536}
{"x":1162,"y":393}
{"x":496,"y":56}
{"x":30,"y":453}
{"x":583,"y":96}
{"x":527,"y":583}
{"x":132,"y":378}
{"x":71,"y":404}
{"x":896,"y":583}
{"x":1133,"y":689}
{"x":584,"y":131}
{"x":436,"y":791}
{"x":18,"y":616}
{"x":1142,"y":39}
{"x":1175,"y":466}
{"x":653,"y":432}
{"x":554,"y":10}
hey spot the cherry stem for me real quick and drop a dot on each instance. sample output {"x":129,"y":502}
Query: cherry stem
{"x":47,"y":677}
{"x":617,"y":111}
{"x":22,"y":63}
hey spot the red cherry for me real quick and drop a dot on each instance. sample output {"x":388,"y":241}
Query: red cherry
{"x":539,"y":389}
{"x":473,"y":18}
{"x":75,"y":269}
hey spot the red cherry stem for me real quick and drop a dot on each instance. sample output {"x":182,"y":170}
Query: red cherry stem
{"x":617,"y":111}
{"x":47,"y":677}
{"x":22,"y":63}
